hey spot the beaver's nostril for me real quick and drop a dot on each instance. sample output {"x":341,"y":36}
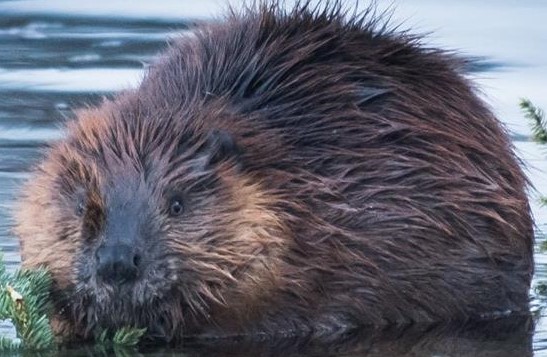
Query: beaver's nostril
{"x":137,"y":260}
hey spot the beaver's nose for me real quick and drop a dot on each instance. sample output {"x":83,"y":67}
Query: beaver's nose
{"x":117,"y":263}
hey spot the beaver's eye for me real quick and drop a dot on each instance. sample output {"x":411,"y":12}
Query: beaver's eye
{"x":176,"y":208}
{"x":80,"y":208}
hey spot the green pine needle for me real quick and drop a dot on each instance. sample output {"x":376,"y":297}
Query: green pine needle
{"x":103,"y":338}
{"x":124,"y":337}
{"x":128,"y":336}
{"x":543,"y":247}
{"x":8,"y":344}
{"x":24,"y":299}
{"x":536,"y":118}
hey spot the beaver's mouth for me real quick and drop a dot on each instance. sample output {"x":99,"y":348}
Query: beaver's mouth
{"x":136,"y":304}
{"x":158,"y":299}
{"x":156,"y":280}
{"x":149,"y":300}
{"x":149,"y":288}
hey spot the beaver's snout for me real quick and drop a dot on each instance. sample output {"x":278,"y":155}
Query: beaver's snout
{"x":117,"y":263}
{"x":118,"y":238}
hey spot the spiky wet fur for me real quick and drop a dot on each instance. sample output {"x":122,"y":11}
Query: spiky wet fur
{"x":370,"y":186}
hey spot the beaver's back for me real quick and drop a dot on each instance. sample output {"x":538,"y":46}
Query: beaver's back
{"x":399,"y":184}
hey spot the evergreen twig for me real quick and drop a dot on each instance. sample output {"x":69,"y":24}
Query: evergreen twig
{"x":25,"y":300}
{"x":124,"y":337}
{"x":128,"y":336}
{"x":536,"y":118}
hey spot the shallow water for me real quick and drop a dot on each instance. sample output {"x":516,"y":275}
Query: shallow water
{"x":56,"y":55}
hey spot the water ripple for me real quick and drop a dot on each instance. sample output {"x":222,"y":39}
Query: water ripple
{"x":73,"y":80}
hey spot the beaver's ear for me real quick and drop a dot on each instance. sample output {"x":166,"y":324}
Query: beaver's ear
{"x":220,"y":146}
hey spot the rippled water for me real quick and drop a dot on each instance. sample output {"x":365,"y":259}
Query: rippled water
{"x":57,"y":55}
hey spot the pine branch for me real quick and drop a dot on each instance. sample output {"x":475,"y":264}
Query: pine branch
{"x":124,"y":337}
{"x":538,"y":125}
{"x":536,"y":118}
{"x":128,"y":336}
{"x":25,"y":300}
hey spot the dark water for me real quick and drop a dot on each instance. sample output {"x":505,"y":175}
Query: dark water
{"x":63,"y":55}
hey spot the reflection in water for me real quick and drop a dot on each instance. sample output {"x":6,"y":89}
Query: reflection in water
{"x":502,"y":338}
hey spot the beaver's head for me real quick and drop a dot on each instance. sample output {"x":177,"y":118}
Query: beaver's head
{"x":147,"y":222}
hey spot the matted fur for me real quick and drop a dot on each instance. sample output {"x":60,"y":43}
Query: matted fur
{"x":334,"y":173}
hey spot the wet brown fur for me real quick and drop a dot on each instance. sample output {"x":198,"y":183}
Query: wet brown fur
{"x":370,"y":186}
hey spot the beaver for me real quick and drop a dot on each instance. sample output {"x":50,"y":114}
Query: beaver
{"x":283,"y":171}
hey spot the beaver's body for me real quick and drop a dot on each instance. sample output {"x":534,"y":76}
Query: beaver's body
{"x":283,"y":172}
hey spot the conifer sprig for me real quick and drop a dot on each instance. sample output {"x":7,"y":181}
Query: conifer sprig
{"x":25,"y":301}
{"x":536,"y":118}
{"x":125,"y":337}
